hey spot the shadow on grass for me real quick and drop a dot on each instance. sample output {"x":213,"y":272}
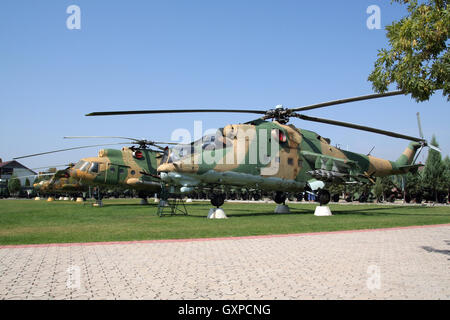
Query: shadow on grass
{"x":270,"y":213}
{"x":245,"y":213}
{"x":384,"y":211}
{"x":124,"y":205}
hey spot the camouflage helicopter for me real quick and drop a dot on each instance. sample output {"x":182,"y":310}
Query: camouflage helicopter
{"x":269,"y":154}
{"x":131,"y":167}
{"x":59,"y":183}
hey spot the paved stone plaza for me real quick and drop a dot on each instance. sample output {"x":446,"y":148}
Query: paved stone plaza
{"x":402,"y":263}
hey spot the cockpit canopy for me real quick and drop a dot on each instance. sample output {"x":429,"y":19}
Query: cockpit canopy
{"x":213,"y":141}
{"x":87,"y":166}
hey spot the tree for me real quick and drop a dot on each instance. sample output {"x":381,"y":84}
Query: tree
{"x":413,"y":185}
{"x":418,"y":60}
{"x":378,"y":189}
{"x":447,"y":176}
{"x":433,"y":174}
{"x":27,"y":182}
{"x":14,"y":185}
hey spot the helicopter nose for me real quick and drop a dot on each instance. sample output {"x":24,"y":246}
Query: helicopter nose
{"x":73,"y":173}
{"x":167,"y":167}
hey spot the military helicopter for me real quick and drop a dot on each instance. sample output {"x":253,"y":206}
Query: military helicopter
{"x":131,"y":167}
{"x":301,"y":160}
{"x":60,"y":183}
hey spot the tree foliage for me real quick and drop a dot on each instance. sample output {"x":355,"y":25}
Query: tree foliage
{"x":447,"y":174}
{"x":433,"y":174}
{"x":14,"y":185}
{"x":413,"y":183}
{"x":378,"y":188}
{"x":418,"y":60}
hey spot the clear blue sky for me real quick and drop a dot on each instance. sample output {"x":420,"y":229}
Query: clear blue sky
{"x":216,"y":54}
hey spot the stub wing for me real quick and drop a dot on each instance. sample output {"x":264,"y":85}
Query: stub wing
{"x":331,"y":169}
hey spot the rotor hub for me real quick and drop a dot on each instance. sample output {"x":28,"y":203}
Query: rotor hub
{"x":279,"y":114}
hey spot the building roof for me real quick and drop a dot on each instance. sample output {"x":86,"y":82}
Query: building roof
{"x":14,"y":164}
{"x":4,"y":164}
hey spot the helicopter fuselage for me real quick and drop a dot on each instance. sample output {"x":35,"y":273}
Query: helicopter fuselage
{"x":267,"y":155}
{"x":126,"y":168}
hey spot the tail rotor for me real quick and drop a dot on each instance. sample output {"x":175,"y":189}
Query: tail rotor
{"x":425,"y":142}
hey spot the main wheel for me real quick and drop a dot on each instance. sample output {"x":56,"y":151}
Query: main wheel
{"x":217,"y":200}
{"x":324,"y":196}
{"x":362,"y":198}
{"x":418,"y":198}
{"x":279,"y":198}
{"x":335,"y":197}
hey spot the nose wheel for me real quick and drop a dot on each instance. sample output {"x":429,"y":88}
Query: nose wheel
{"x":280,"y":200}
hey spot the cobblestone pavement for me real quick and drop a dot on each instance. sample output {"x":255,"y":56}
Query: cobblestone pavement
{"x":402,"y":263}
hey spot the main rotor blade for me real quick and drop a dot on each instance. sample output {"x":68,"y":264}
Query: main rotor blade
{"x":100,"y":137}
{"x":357,"y":127}
{"x":61,"y":150}
{"x":118,"y":113}
{"x":342,"y":101}
{"x":132,"y":139}
{"x":162,"y":142}
{"x":48,"y":167}
{"x":35,"y":175}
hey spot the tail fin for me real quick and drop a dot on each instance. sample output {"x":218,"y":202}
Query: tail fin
{"x":407,"y":156}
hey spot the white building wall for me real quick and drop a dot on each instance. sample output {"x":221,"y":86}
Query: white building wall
{"x":21,"y":172}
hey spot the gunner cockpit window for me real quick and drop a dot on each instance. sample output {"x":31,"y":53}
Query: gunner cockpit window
{"x":79,"y":164}
{"x":82,"y":165}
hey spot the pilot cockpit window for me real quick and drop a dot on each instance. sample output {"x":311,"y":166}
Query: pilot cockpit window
{"x":174,"y":155}
{"x":94,"y":167}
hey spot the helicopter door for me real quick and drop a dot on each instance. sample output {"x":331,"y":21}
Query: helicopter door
{"x":123,"y":173}
{"x":269,"y":160}
{"x":112,"y":174}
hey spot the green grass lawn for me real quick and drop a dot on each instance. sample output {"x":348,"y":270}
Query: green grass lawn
{"x":32,"y":222}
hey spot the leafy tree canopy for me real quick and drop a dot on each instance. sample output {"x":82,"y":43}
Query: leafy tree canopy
{"x":433,"y":174}
{"x":418,"y":60}
{"x":14,"y":184}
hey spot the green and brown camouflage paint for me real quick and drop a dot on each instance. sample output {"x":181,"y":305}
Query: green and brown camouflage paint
{"x":301,"y":157}
{"x":121,"y":168}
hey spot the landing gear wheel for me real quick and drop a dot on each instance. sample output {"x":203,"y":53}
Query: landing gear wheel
{"x":418,"y":199}
{"x":324,"y":196}
{"x":279,"y":198}
{"x":217,"y":200}
{"x":362,"y":198}
{"x":335,"y":197}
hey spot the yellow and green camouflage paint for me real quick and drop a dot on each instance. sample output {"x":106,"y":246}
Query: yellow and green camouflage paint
{"x":243,"y":156}
{"x":127,"y":168}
